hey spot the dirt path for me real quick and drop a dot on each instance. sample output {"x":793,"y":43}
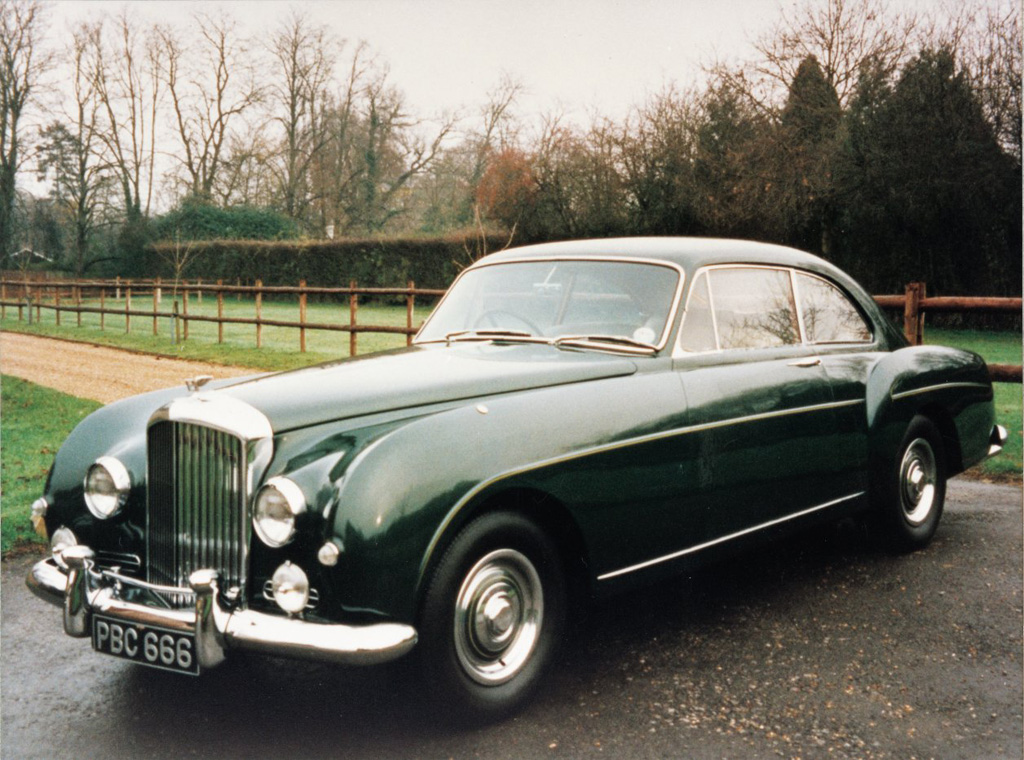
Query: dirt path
{"x":95,"y":372}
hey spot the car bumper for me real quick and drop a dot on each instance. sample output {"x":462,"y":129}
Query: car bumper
{"x":996,"y":440}
{"x":84,"y":589}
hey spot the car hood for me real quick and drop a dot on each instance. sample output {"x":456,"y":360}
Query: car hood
{"x":417,"y":376}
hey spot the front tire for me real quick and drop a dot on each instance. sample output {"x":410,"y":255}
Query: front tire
{"x":492,"y":618}
{"x":910,"y":502}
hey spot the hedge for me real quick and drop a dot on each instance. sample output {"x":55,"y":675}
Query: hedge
{"x":372,"y":262}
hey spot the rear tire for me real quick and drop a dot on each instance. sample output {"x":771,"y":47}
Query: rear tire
{"x":492,"y":618}
{"x":908,"y":505}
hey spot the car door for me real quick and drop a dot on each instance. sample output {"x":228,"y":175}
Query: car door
{"x":760,"y":406}
{"x":842,"y":340}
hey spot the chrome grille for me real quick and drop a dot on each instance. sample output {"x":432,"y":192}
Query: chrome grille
{"x":196,"y":504}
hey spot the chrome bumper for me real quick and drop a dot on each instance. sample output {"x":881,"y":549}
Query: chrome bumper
{"x":84,"y":589}
{"x":996,"y":440}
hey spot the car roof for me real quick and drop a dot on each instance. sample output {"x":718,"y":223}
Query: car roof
{"x":687,"y":252}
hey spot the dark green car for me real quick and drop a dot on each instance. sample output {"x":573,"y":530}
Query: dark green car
{"x":573,"y":419}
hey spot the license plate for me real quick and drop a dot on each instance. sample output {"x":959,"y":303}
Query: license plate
{"x":147,"y":644}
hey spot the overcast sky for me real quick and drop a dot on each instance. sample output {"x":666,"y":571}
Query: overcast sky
{"x":571,"y":55}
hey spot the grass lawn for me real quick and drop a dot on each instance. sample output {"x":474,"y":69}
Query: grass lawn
{"x":280,"y":344}
{"x":997,"y":348}
{"x":33,"y":424}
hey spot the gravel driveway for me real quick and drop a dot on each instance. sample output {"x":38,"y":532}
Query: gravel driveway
{"x":95,"y":372}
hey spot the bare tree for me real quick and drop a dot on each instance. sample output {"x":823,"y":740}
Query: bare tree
{"x":987,"y":42}
{"x":335,"y":169}
{"x":305,"y":54}
{"x":69,"y":154}
{"x":210,"y":85}
{"x":128,"y":87}
{"x":843,"y":35}
{"x":22,"y":66}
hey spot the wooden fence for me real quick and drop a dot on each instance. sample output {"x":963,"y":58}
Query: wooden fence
{"x":67,"y":296}
{"x":915,"y":304}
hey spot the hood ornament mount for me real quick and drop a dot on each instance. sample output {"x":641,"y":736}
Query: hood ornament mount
{"x":195,"y":384}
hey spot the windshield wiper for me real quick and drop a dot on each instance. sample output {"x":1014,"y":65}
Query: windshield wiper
{"x":490,"y":334}
{"x":615,"y":342}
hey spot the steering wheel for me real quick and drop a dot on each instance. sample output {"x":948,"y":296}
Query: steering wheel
{"x":492,"y":315}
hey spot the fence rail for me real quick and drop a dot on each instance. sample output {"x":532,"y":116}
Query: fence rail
{"x":66,"y":297}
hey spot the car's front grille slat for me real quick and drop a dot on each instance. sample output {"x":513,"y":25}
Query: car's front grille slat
{"x":196,"y":504}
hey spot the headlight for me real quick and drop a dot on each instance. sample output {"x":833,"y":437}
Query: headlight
{"x":277,"y":505}
{"x":62,"y":539}
{"x":106,"y":487}
{"x":290,"y":587}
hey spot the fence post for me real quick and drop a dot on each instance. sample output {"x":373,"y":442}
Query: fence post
{"x":103,"y":307}
{"x":199,"y":294}
{"x":220,"y":311}
{"x":176,"y":328}
{"x":78,"y":303}
{"x":913,"y":320}
{"x":156,"y":305}
{"x":28,"y":303}
{"x":353,"y":308}
{"x":3,"y":300}
{"x":259,"y":313}
{"x":184,"y":309}
{"x":302,"y":316}
{"x":238,"y":294}
{"x":128,"y":310}
{"x":410,"y":304}
{"x":117,"y":289}
{"x":56,"y":304}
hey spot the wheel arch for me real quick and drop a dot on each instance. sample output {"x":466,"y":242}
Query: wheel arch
{"x":943,"y":420}
{"x":549,"y":513}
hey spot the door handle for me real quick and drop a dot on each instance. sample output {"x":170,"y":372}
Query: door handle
{"x":810,"y":361}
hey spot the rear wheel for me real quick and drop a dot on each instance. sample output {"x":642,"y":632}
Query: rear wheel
{"x":910,"y":502}
{"x":492,"y":618}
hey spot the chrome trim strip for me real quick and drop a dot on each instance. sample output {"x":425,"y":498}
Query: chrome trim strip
{"x":219,"y":411}
{"x":939,"y":387}
{"x":216,"y":627}
{"x":730,"y":537}
{"x":669,"y":320}
{"x":650,"y":438}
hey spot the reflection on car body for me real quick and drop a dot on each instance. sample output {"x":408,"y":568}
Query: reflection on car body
{"x":573,"y":418}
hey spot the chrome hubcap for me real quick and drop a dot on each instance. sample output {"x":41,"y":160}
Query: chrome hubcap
{"x":918,"y":478}
{"x":498,"y":615}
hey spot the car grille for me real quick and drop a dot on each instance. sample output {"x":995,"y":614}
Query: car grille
{"x":196,"y":505}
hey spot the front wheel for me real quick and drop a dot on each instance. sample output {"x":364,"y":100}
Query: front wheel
{"x":910,"y":502}
{"x":492,"y":618}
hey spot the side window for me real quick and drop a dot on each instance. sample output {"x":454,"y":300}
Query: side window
{"x":754,"y":307}
{"x":827,"y":313}
{"x":698,"y":331}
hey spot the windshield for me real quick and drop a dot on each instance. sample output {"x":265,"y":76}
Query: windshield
{"x":626,"y":301}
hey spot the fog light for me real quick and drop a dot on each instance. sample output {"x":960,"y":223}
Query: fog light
{"x":106,"y":487}
{"x":62,"y":539}
{"x":39,"y":509}
{"x":290,"y":587}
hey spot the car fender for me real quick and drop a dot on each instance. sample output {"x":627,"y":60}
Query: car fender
{"x":950,"y":386}
{"x":403,"y":496}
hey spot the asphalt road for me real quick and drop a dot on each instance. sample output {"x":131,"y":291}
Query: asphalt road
{"x":818,"y":647}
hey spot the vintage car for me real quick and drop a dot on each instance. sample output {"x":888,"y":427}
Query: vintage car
{"x":572,"y":419}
